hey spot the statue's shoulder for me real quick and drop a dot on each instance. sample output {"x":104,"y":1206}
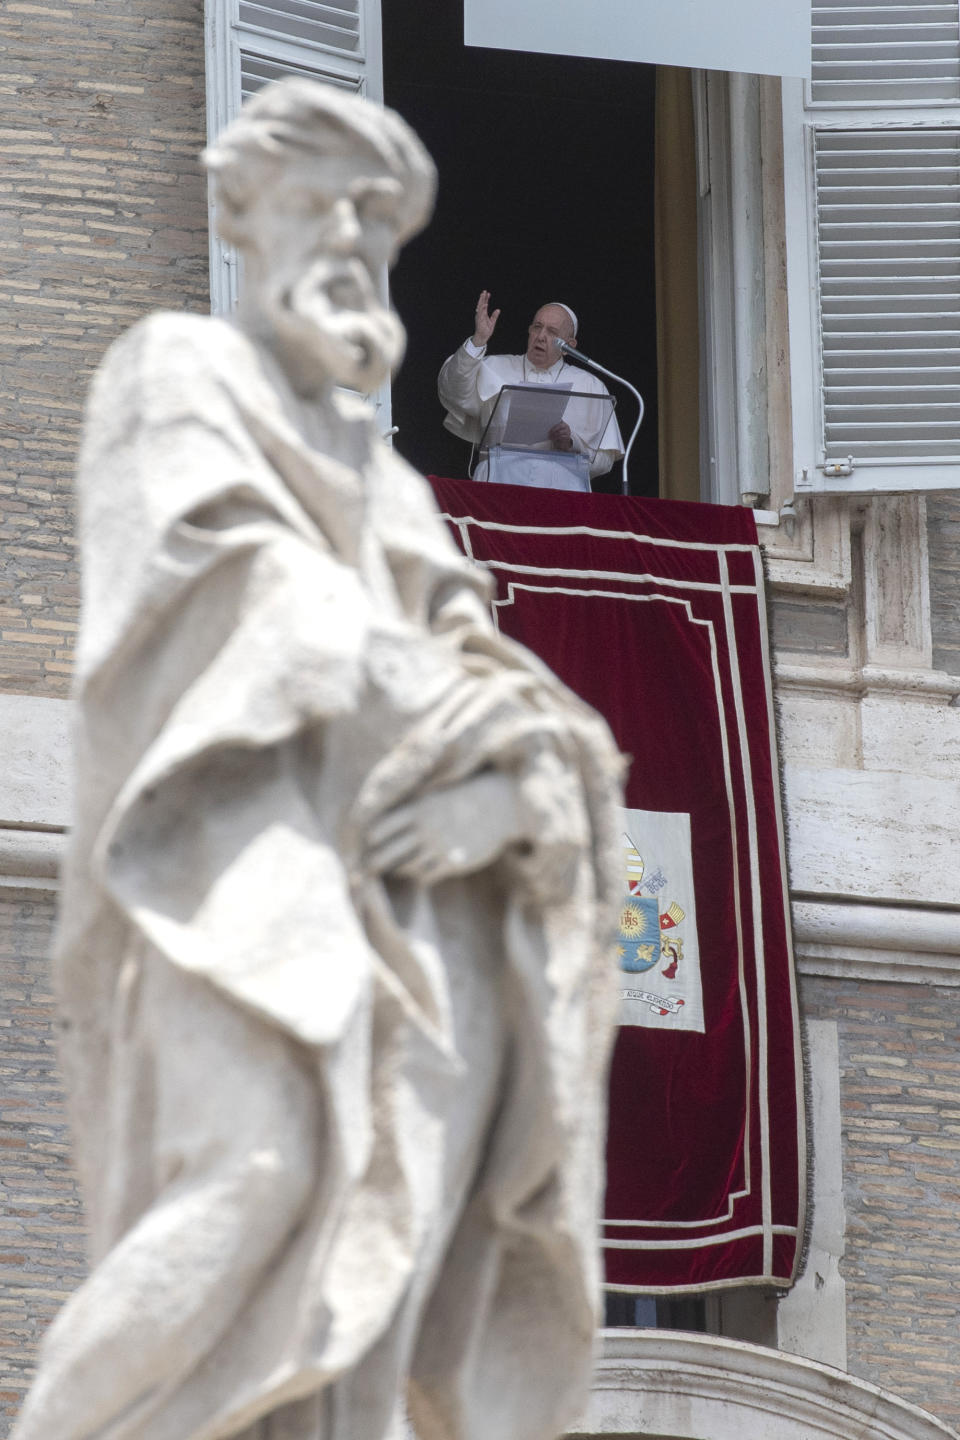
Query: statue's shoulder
{"x":168,"y":365}
{"x":168,"y":339}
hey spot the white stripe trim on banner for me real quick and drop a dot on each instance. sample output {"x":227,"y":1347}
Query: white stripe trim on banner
{"x":700,"y":1242}
{"x":509,"y":600}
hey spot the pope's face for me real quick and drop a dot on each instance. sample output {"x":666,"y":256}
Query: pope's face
{"x":549,"y":323}
{"x":325,"y":234}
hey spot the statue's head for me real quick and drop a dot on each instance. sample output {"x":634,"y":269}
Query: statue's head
{"x":318,"y":189}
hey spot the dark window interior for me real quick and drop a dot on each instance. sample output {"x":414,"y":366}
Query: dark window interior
{"x":660,"y":1312}
{"x":546,"y":193}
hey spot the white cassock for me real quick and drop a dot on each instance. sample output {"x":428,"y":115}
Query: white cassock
{"x":470,"y":382}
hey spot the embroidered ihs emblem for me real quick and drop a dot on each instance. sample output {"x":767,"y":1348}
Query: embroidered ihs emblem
{"x":639,"y":947}
{"x":644,"y":926}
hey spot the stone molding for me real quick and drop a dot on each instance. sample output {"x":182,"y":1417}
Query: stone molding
{"x":844,"y":679}
{"x":877,"y":942}
{"x":810,"y":555}
{"x":701,"y":1387}
{"x":30,"y":859}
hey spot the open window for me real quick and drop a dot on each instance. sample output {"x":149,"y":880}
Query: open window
{"x":562,"y":177}
{"x":546,"y":168}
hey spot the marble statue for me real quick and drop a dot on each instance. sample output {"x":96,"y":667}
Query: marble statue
{"x":334,"y":953}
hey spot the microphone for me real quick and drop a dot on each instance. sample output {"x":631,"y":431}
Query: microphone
{"x":566,"y":349}
{"x":574,"y":354}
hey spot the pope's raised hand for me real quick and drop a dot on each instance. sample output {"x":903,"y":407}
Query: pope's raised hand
{"x":484,"y":323}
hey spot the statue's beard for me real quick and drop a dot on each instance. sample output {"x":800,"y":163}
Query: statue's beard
{"x":330,"y":323}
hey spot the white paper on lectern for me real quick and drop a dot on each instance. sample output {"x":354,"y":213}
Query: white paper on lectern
{"x":533,"y":412}
{"x":757,"y":37}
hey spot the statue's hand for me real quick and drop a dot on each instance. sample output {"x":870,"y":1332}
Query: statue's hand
{"x":452,"y":831}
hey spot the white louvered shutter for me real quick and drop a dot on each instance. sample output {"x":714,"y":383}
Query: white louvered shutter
{"x":250,"y":42}
{"x":872,"y":159}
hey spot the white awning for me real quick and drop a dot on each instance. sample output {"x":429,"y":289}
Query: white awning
{"x":759,"y":37}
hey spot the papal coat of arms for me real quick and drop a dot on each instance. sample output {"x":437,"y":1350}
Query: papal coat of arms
{"x":658,"y":937}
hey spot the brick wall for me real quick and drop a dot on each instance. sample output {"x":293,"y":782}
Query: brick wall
{"x":41,"y":1236}
{"x":900,"y":1098}
{"x":102,"y":218}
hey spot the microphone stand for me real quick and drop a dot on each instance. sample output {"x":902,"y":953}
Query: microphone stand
{"x":572,"y":354}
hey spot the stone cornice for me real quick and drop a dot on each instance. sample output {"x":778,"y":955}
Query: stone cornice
{"x":876,"y":942}
{"x":841,"y":679}
{"x":30,"y":858}
{"x":686,"y":1386}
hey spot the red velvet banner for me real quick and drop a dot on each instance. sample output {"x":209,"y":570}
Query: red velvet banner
{"x":653,"y":611}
